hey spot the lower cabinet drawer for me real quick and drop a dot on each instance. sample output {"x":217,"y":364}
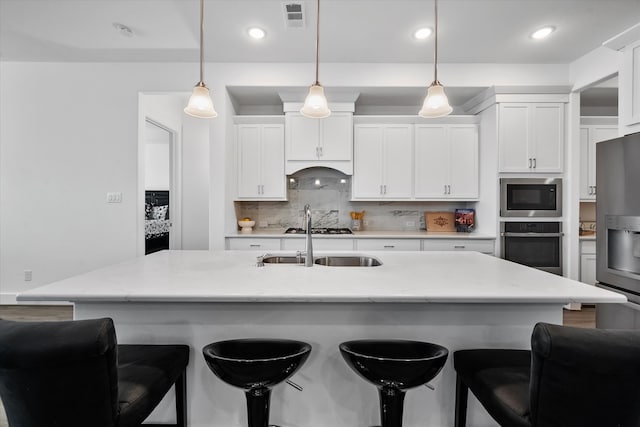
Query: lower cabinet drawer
{"x":388,"y":244}
{"x":296,"y":244}
{"x":250,"y":244}
{"x":485,"y":246}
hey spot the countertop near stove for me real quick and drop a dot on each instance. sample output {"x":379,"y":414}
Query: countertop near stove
{"x":365,"y":235}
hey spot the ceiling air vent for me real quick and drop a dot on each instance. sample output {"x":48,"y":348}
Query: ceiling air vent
{"x":294,"y":15}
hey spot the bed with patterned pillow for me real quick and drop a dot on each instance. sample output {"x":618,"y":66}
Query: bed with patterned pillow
{"x":157,"y":223}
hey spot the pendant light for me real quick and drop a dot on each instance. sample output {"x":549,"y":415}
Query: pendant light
{"x":315,"y":105}
{"x":200,"y":104}
{"x":436,"y":104}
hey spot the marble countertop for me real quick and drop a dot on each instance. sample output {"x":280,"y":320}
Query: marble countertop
{"x":415,"y":234}
{"x":232,"y":276}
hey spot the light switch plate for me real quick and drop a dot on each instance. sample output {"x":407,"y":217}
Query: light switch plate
{"x":115,"y":197}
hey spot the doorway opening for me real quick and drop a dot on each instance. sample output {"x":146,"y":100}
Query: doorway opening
{"x":162,"y":209}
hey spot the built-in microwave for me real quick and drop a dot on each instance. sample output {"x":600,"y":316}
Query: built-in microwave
{"x":531,"y":197}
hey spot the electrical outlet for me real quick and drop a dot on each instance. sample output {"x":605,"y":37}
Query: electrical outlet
{"x":28,"y":275}
{"x":410,"y":223}
{"x":263,"y":224}
{"x":365,"y":223}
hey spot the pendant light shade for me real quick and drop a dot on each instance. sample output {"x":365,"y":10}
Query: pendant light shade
{"x":200,"y":104}
{"x":436,"y":104}
{"x":315,"y":104}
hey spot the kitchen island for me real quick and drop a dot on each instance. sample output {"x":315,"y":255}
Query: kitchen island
{"x":459,"y":300}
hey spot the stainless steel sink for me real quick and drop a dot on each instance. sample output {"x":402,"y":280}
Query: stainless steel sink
{"x":283,"y":259}
{"x":327,"y":260}
{"x":348,"y":261}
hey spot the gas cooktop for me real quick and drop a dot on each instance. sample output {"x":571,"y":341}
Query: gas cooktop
{"x":292,"y":230}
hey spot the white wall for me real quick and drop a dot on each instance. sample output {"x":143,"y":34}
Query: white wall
{"x":157,"y":165}
{"x":69,"y":134}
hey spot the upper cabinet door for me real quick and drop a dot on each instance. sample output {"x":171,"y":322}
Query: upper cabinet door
{"x":303,"y":137}
{"x":513,"y":137}
{"x":260,"y":162}
{"x":398,"y":162}
{"x":336,"y":136}
{"x":368,"y":159}
{"x":272,"y":168}
{"x":431,"y":161}
{"x":531,"y":137}
{"x":463,"y":173}
{"x":446,"y":162}
{"x":249,"y":160}
{"x":547,"y":148}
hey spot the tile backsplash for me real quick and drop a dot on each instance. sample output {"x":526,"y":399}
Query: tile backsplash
{"x":329,"y":193}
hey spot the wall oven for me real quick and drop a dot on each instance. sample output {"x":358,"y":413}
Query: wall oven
{"x":531,"y":197}
{"x":534,"y":244}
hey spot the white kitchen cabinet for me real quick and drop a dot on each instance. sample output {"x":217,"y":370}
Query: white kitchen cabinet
{"x":253,"y":244}
{"x":383,"y":162}
{"x":588,"y":261}
{"x":318,"y":141}
{"x":446,"y":162}
{"x":319,"y":244}
{"x":531,"y":137}
{"x":388,"y":244}
{"x":589,"y":136}
{"x":260,"y":162}
{"x":486,"y":246}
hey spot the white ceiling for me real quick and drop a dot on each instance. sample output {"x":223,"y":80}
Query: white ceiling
{"x":470,"y":31}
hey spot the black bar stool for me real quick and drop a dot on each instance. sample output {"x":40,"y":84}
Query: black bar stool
{"x":73,"y":374}
{"x":572,"y":377}
{"x":256,"y":365}
{"x":394,"y":366}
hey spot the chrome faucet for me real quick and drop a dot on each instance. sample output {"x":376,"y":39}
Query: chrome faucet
{"x":308,"y":259}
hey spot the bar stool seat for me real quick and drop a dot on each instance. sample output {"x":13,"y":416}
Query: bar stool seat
{"x":256,"y":366}
{"x":394,"y":366}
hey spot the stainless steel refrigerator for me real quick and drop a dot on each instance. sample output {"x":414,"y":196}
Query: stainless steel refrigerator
{"x":618,"y":229}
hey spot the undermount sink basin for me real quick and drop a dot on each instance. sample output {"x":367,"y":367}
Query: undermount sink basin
{"x":348,"y":261}
{"x":283,"y":259}
{"x":326,"y":260}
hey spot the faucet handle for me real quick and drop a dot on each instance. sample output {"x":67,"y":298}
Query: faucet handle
{"x":260,"y":261}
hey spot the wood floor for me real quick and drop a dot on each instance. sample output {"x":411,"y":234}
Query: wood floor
{"x":585,"y":318}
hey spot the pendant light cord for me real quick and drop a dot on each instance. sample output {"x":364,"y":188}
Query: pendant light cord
{"x":435,"y":51}
{"x":201,"y":42}
{"x":317,"y":42}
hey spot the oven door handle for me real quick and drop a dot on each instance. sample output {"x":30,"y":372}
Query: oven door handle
{"x":507,"y":234}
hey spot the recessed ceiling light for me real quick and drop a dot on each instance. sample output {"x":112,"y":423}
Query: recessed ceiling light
{"x":422,"y":33}
{"x":256,"y":33}
{"x":542,"y":33}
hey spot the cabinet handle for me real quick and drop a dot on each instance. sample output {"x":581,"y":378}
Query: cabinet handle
{"x":389,"y":246}
{"x":534,"y":163}
{"x":385,"y":188}
{"x":448,"y":189}
{"x":321,"y":153}
{"x":445,"y":189}
{"x":530,"y":163}
{"x":381,"y":189}
{"x":594,"y":190}
{"x":459,"y":246}
{"x":262,"y":189}
{"x":591,"y":189}
{"x":254,"y":245}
